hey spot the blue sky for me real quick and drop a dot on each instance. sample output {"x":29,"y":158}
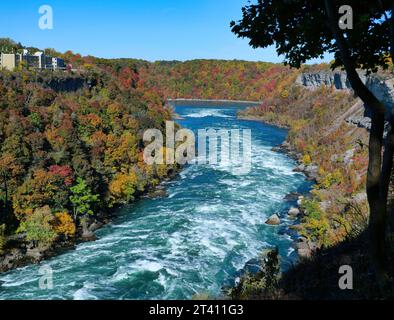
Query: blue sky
{"x":150,"y":30}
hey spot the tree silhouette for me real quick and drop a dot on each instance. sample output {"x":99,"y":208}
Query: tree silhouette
{"x":304,"y":29}
{"x":4,"y":187}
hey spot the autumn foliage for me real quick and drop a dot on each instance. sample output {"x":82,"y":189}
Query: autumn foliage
{"x":320,"y":135}
{"x":66,"y":154}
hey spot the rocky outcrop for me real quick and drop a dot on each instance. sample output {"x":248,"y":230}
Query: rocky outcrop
{"x":66,"y":84}
{"x":305,"y":247}
{"x":315,"y":80}
{"x":381,"y":86}
{"x":69,"y":83}
{"x":24,"y":253}
{"x":311,"y":171}
{"x":13,"y":259}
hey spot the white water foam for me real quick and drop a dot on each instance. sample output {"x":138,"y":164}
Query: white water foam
{"x":203,"y":113}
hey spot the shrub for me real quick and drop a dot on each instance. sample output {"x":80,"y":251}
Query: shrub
{"x":64,"y":224}
{"x":332,"y":179}
{"x":315,"y":224}
{"x":311,"y":208}
{"x":82,"y":198}
{"x":317,"y":230}
{"x":35,"y":120}
{"x":38,"y":227}
{"x":306,"y":159}
{"x":284,"y":94}
{"x":263,"y":284}
{"x":123,"y":188}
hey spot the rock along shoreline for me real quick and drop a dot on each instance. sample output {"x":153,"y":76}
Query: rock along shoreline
{"x":302,"y":245}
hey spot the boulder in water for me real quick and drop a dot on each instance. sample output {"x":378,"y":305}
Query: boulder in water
{"x":300,"y":200}
{"x":294,"y":212}
{"x":293,"y":196}
{"x":274,"y":220}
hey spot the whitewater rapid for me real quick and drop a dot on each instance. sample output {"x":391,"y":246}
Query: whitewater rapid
{"x":194,"y":241}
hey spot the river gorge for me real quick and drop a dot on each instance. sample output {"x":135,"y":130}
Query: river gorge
{"x":194,"y":241}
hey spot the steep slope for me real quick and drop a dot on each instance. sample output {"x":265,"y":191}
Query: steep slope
{"x":71,"y":149}
{"x":329,"y":136}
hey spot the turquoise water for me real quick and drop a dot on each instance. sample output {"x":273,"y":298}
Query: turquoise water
{"x":194,"y":241}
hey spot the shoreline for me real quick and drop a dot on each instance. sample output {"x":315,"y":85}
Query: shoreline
{"x":20,"y":254}
{"x":303,"y":247}
{"x":290,"y":219}
{"x":212,"y":102}
{"x":258,"y":119}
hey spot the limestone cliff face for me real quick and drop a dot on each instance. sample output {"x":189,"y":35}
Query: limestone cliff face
{"x":68,"y":83}
{"x":381,"y":87}
{"x":317,"y":79}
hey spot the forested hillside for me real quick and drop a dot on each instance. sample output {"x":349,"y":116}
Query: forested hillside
{"x":198,"y":79}
{"x":71,"y":143}
{"x":216,"y":79}
{"x":333,"y":220}
{"x":332,"y":151}
{"x":66,"y":157}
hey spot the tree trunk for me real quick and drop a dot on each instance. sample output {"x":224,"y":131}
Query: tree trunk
{"x":387,"y":162}
{"x":389,"y":146}
{"x":392,"y":31}
{"x":377,"y":204}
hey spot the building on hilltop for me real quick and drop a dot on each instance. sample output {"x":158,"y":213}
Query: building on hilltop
{"x":39,"y":60}
{"x":9,"y":61}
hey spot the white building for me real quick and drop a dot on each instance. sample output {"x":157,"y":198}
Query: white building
{"x":39,"y":60}
{"x":58,"y":64}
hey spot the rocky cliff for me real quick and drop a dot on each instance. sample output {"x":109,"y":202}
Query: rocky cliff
{"x":382,"y":86}
{"x":68,"y":83}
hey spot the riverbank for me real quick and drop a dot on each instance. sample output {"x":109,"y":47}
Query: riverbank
{"x":195,"y":240}
{"x":304,"y":246}
{"x":262,"y":272}
{"x":65,"y":165}
{"x":332,"y":151}
{"x":212,"y":103}
{"x":307,"y":242}
{"x":261,"y":119}
{"x":19,"y":252}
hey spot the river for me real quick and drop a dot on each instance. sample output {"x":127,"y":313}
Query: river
{"x":192,"y":242}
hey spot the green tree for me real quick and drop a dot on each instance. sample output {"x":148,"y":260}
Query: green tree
{"x":35,"y":120}
{"x":82,"y":199}
{"x":38,"y":227}
{"x":8,"y":45}
{"x":304,"y":29}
